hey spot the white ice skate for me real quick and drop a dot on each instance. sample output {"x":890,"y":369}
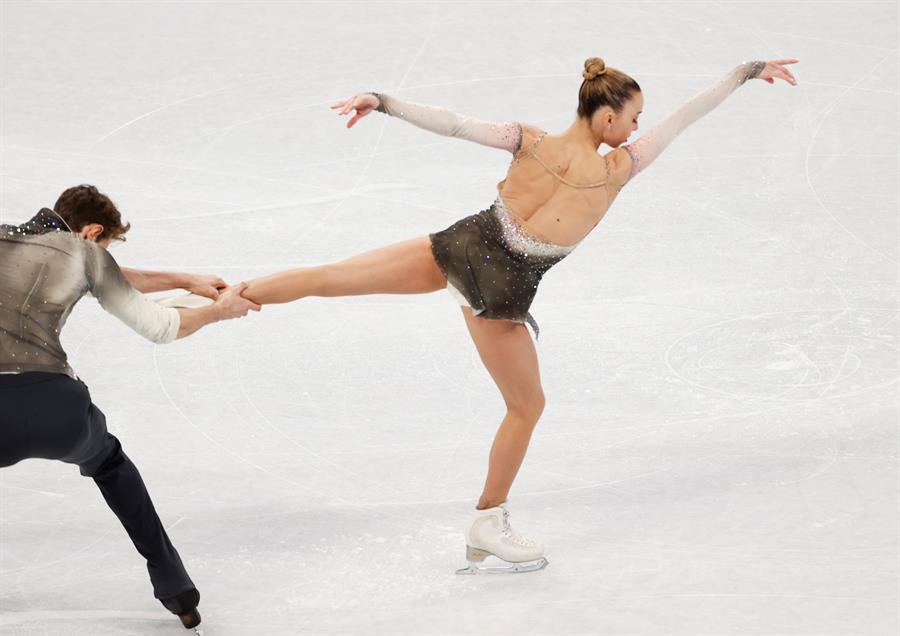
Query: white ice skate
{"x":490,"y":535}
{"x":187,"y":301}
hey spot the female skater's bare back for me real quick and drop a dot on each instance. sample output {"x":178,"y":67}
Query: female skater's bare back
{"x":552,"y":210}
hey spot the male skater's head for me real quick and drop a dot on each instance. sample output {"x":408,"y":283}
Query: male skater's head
{"x":91,"y":214}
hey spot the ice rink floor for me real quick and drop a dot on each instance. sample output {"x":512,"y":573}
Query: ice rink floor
{"x":719,"y":452}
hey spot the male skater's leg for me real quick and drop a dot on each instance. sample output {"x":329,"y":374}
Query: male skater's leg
{"x":125,"y":493}
{"x":51,"y":416}
{"x":102,"y":458}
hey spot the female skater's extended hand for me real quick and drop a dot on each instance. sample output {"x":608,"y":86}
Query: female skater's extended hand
{"x":232,"y":305}
{"x":362,"y":104}
{"x":203,"y":285}
{"x":775,"y":68}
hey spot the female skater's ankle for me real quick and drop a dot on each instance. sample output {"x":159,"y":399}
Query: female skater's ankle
{"x":484,"y":504}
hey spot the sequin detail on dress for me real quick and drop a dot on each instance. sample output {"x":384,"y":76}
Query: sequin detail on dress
{"x":519,"y":239}
{"x":494,"y":264}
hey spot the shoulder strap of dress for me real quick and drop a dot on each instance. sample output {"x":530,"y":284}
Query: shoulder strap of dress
{"x":532,"y":151}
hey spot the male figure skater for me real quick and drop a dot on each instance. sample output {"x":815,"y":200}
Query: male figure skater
{"x":46,"y":265}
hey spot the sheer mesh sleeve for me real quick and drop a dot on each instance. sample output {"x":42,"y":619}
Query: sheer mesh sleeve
{"x":116,"y":295}
{"x":505,"y":135}
{"x":649,"y":146}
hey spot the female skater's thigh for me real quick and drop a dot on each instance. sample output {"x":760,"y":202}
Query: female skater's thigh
{"x":407,"y":267}
{"x":508,"y":353}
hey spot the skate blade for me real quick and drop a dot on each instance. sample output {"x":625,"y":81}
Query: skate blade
{"x":507,"y":568}
{"x":185,"y":301}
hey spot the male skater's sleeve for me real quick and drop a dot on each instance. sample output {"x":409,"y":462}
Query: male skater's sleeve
{"x":116,"y":295}
{"x":505,"y":135}
{"x":649,"y":146}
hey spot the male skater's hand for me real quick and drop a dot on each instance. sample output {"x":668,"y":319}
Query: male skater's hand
{"x":231,"y":304}
{"x":203,"y":285}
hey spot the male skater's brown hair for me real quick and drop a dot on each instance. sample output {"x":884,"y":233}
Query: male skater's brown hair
{"x":83,"y":204}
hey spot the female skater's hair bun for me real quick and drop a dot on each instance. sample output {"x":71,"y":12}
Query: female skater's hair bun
{"x":613,"y":90}
{"x":593,"y":66}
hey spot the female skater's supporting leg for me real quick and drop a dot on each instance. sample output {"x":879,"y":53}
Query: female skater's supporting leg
{"x":508,"y":353}
{"x":407,"y":267}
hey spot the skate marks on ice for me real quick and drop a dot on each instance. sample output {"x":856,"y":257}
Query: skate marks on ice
{"x":11,"y":534}
{"x":823,"y":115}
{"x":792,"y":356}
{"x":116,"y":622}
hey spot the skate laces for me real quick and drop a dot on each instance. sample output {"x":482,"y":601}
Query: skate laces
{"x":512,"y":535}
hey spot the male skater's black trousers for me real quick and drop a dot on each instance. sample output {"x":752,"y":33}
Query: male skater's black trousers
{"x":50,"y":416}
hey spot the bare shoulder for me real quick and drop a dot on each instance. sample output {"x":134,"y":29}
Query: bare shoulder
{"x":530,"y":134}
{"x":619,"y":162}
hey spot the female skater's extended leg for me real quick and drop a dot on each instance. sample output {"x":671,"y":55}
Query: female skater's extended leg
{"x":407,"y":267}
{"x":508,"y":353}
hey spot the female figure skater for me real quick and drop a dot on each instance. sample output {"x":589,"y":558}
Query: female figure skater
{"x":557,"y":188}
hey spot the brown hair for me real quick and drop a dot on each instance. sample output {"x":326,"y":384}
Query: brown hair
{"x":83,"y":204}
{"x":603,"y":86}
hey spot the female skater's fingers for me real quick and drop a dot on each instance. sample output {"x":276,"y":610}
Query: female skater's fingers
{"x":787,"y":77}
{"x":359,"y":115}
{"x":775,"y":69}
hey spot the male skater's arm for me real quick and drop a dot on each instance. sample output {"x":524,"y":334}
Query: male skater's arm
{"x":145,"y":282}
{"x":503,"y":135}
{"x":156,"y":323}
{"x":651,"y":144}
{"x":229,"y":304}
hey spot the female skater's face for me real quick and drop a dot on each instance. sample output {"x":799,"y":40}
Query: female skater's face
{"x":616,"y":127}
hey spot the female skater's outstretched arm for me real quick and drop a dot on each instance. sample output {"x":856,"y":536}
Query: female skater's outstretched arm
{"x":649,"y":146}
{"x":504,"y":135}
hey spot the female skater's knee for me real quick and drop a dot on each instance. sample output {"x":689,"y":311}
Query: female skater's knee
{"x":528,"y":410}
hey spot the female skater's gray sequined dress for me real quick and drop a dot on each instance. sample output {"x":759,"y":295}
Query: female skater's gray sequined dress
{"x":493,"y":264}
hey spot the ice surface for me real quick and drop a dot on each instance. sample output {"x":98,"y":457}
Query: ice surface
{"x":720,"y":358}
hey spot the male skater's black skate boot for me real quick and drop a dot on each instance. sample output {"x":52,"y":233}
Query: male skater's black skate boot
{"x":185,"y":607}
